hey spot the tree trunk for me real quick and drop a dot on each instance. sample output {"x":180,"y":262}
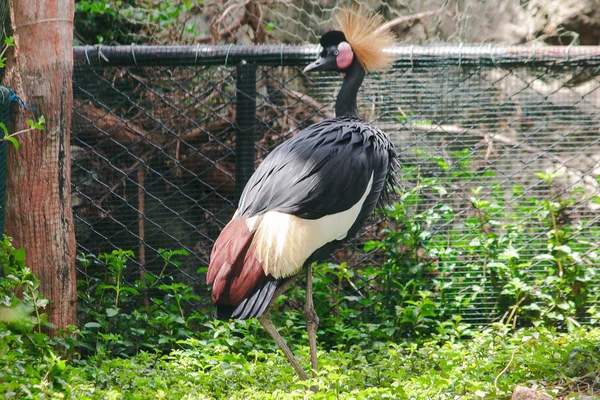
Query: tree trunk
{"x":38,"y":206}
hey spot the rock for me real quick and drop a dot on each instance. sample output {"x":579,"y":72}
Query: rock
{"x":524,"y":393}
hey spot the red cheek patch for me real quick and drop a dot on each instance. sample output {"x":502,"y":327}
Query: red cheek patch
{"x":345,"y":56}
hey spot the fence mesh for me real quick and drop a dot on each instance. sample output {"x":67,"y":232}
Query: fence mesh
{"x":5,"y":102}
{"x":156,"y":152}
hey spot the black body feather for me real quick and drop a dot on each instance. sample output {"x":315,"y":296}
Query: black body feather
{"x":323,"y":170}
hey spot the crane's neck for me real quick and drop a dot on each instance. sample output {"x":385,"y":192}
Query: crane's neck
{"x":345,"y":105}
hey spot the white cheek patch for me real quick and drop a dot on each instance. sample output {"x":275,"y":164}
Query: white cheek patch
{"x":345,"y":56}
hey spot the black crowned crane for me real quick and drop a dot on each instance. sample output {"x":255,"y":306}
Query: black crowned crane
{"x":310,"y":194}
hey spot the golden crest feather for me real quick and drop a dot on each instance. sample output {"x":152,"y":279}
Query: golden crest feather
{"x":362,"y":31}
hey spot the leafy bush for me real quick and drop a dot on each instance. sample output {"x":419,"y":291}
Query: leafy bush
{"x":127,"y":21}
{"x":29,"y":365}
{"x":512,"y":256}
{"x":489,"y":366}
{"x":123,"y":316}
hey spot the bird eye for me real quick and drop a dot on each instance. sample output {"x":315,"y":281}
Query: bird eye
{"x":336,"y":52}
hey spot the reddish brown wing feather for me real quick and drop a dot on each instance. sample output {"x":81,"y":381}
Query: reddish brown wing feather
{"x":234,"y":268}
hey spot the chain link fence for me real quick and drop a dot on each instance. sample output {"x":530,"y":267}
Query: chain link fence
{"x":6,"y":98}
{"x":164,"y":139}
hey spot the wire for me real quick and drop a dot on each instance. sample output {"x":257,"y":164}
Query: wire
{"x":196,"y":57}
{"x":41,"y":21}
{"x":87,"y":57}
{"x":133,"y":54}
{"x":227,"y":55}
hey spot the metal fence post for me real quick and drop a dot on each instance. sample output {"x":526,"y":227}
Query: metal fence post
{"x":245,"y":120}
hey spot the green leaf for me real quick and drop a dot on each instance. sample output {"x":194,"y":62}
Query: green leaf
{"x":14,"y":142}
{"x":510,"y":253}
{"x":19,"y":254}
{"x":107,"y":287}
{"x":533,"y":307}
{"x":39,"y":125}
{"x":564,"y":248}
{"x":542,"y":175}
{"x":129,"y":289}
{"x":372,"y":245}
{"x":92,"y":325}
{"x":423,"y":122}
{"x":111,"y":312}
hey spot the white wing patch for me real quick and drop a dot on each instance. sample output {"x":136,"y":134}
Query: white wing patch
{"x":283,"y":242}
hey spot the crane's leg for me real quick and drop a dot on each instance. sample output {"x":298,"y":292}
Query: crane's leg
{"x":265,"y":321}
{"x":312,"y":320}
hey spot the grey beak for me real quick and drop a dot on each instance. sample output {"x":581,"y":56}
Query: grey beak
{"x":314,"y":65}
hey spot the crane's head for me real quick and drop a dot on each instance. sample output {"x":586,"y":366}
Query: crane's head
{"x":360,"y":38}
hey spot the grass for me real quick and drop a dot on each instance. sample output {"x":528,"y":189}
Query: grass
{"x":488,"y":365}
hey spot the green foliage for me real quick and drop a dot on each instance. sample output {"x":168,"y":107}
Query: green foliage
{"x":122,"y":316}
{"x":33,"y":126}
{"x":37,"y":126}
{"x":18,"y":279}
{"x":127,"y":21}
{"x":430,"y":369}
{"x":8,"y":42}
{"x":489,"y":366}
{"x":431,"y":257}
{"x":29,"y":366}
{"x":509,"y":255}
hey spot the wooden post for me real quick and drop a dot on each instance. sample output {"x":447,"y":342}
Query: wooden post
{"x":38,"y":206}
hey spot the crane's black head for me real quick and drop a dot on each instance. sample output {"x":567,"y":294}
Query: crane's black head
{"x":337,"y":54}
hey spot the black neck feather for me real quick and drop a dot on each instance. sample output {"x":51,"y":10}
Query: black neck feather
{"x":345,"y":105}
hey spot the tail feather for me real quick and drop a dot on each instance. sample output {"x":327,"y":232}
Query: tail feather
{"x":261,"y":307}
{"x":251,"y":307}
{"x":234,"y":269}
{"x":246,"y":306}
{"x":224,"y":311}
{"x":241,"y":289}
